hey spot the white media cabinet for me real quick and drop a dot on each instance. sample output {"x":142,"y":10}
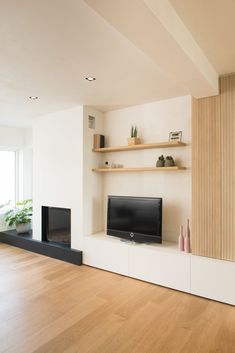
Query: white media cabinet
{"x":162,"y":264}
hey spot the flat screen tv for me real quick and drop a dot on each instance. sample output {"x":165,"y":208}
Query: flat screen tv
{"x":135,"y":218}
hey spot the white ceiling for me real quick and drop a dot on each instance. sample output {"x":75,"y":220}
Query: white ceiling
{"x":212,"y":24}
{"x":49,"y":47}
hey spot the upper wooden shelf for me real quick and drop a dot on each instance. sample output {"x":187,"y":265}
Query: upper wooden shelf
{"x":142,"y":146}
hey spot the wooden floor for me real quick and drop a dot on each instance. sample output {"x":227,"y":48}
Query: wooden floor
{"x":50,"y":306}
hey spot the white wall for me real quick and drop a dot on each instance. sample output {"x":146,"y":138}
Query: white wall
{"x":63,"y":162}
{"x":92,"y":182}
{"x":11,"y":138}
{"x":26,"y":165}
{"x":154,"y":121}
{"x":58,"y":174}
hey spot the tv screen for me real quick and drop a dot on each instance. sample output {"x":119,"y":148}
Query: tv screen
{"x":135,"y":218}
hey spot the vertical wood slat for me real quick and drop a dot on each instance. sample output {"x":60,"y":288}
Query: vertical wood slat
{"x":206,"y":177}
{"x":213,"y":175}
{"x":228,"y":165}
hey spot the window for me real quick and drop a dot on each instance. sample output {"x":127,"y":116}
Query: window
{"x":7,"y":176}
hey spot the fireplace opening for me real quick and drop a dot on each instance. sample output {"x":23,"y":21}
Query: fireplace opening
{"x":56,"y":225}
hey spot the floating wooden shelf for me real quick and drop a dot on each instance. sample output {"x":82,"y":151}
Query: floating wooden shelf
{"x":143,"y":146}
{"x":137,"y":169}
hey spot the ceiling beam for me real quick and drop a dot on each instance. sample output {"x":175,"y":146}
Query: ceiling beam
{"x":155,"y":28}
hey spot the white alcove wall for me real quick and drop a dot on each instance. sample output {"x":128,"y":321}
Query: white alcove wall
{"x":154,"y":121}
{"x":93,"y":183}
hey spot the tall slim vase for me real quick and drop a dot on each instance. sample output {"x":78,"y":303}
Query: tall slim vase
{"x":181,"y":239}
{"x":187,"y":238}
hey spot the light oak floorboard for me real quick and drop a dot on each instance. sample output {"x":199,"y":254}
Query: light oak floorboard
{"x":49,"y":306}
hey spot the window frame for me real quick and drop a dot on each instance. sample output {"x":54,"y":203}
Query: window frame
{"x":17,"y":169}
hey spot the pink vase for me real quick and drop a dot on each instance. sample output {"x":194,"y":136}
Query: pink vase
{"x":187,"y":238}
{"x":181,"y":239}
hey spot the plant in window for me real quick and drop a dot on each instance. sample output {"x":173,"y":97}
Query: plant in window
{"x":20,"y":216}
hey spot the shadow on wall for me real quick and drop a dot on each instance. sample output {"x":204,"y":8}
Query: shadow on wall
{"x":172,"y":219}
{"x":97,"y":216}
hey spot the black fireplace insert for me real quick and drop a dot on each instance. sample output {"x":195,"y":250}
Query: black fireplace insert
{"x":56,"y":225}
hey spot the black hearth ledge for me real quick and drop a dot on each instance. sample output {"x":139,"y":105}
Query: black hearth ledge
{"x":55,"y":251}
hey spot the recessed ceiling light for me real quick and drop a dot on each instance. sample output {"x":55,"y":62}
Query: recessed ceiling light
{"x":33,"y":97}
{"x":90,"y":78}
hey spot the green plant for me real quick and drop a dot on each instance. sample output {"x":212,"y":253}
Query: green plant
{"x":20,"y":214}
{"x":134,"y":131}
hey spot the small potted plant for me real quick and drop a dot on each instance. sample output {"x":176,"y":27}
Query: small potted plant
{"x":160,"y":162}
{"x":133,"y":140}
{"x":20,"y":216}
{"x":169,"y":162}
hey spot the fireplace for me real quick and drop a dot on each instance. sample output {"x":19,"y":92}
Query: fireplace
{"x":56,"y":225}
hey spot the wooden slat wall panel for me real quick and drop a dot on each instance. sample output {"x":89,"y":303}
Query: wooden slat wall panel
{"x":206,"y":178}
{"x":228,"y":165}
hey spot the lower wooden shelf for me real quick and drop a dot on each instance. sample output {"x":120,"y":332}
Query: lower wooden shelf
{"x":138,"y":169}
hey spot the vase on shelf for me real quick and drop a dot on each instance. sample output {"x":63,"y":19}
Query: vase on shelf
{"x":160,"y":162}
{"x":169,"y":162}
{"x":187,"y":238}
{"x":181,"y":239}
